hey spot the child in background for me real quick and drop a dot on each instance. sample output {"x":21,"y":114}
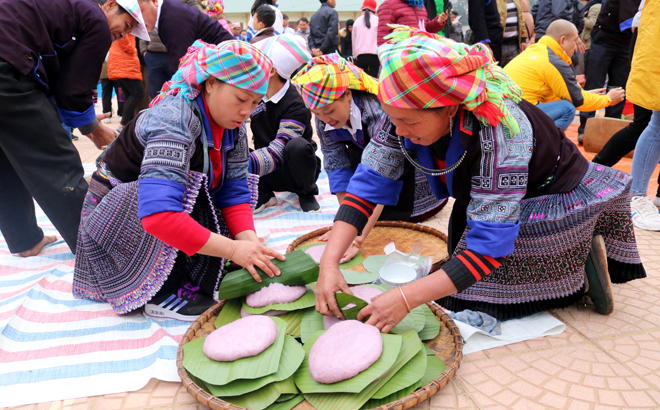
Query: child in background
{"x":284,"y":154}
{"x":216,"y":10}
{"x":263,"y":21}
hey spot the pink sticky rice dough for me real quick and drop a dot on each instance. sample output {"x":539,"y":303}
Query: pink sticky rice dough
{"x":344,"y":351}
{"x":316,"y":252}
{"x":244,"y":313}
{"x":275,"y":293}
{"x":244,"y":337}
{"x":366,"y":293}
{"x":329,"y":321}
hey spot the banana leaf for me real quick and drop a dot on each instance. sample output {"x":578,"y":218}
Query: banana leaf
{"x":306,"y":384}
{"x":265,"y":396}
{"x":434,"y":366}
{"x":298,"y":269}
{"x":286,"y":404}
{"x":230,"y":311}
{"x":221,"y":373}
{"x":354,"y":401}
{"x":292,"y":356}
{"x":293,"y":321}
{"x":431,"y":324}
{"x":312,"y":322}
{"x":353,"y":277}
{"x":373,"y":263}
{"x":285,"y":397}
{"x":411,"y":373}
{"x":344,"y":299}
{"x":373,"y":403}
{"x":305,"y":301}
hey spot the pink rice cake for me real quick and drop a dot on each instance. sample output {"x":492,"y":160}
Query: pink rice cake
{"x":244,"y":313}
{"x":366,"y":293}
{"x":241,"y":338}
{"x":275,"y":293}
{"x":316,"y":252}
{"x":345,"y":350}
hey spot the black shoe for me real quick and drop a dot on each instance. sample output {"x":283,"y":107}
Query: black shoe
{"x":580,"y":137}
{"x":598,"y":277}
{"x":185,"y":304}
{"x":308,"y":203}
{"x":266,"y":199}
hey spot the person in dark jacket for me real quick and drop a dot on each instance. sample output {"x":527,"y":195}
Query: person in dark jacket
{"x":547,"y":11}
{"x":346,"y":39}
{"x":324,"y":29}
{"x":484,"y":20}
{"x":609,"y":57}
{"x":179,"y":25}
{"x":284,"y":152}
{"x":156,"y":58}
{"x":51,"y":54}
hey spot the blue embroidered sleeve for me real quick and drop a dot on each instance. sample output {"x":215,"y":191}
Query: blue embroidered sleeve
{"x":377,"y":177}
{"x":167,"y":132}
{"x":265,"y":160}
{"x":494,"y":209}
{"x":335,"y":158}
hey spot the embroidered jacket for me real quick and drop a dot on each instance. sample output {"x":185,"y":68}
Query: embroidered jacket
{"x":333,"y":142}
{"x":492,"y":180}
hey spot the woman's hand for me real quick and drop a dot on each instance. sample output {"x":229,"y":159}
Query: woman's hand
{"x":325,"y":236}
{"x":386,"y":310}
{"x":350,"y":253}
{"x":250,"y":255}
{"x":330,"y":281}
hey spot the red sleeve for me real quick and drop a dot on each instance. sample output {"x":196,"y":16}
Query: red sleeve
{"x":238,"y":218}
{"x":177,"y":229}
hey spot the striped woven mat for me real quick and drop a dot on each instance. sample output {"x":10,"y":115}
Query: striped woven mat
{"x":55,"y":347}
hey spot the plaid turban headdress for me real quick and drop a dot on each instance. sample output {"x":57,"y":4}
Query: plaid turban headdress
{"x":215,"y":7}
{"x":425,"y":70}
{"x":233,"y":62}
{"x":326,"y":78}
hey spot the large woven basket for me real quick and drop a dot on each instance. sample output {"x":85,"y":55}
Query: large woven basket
{"x":403,"y":234}
{"x":448,"y":345}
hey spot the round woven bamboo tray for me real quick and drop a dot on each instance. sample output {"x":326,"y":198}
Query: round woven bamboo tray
{"x":403,"y":234}
{"x":448,"y":346}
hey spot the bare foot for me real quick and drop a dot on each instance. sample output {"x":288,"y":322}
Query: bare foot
{"x":47,"y":240}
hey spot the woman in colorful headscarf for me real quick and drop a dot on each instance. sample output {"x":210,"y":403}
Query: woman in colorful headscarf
{"x":348,"y":115}
{"x":530,"y":212}
{"x":216,"y":10}
{"x":172,"y":190}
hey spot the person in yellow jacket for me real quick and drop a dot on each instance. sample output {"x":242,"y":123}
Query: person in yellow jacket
{"x":544,"y":72}
{"x":643,"y":83}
